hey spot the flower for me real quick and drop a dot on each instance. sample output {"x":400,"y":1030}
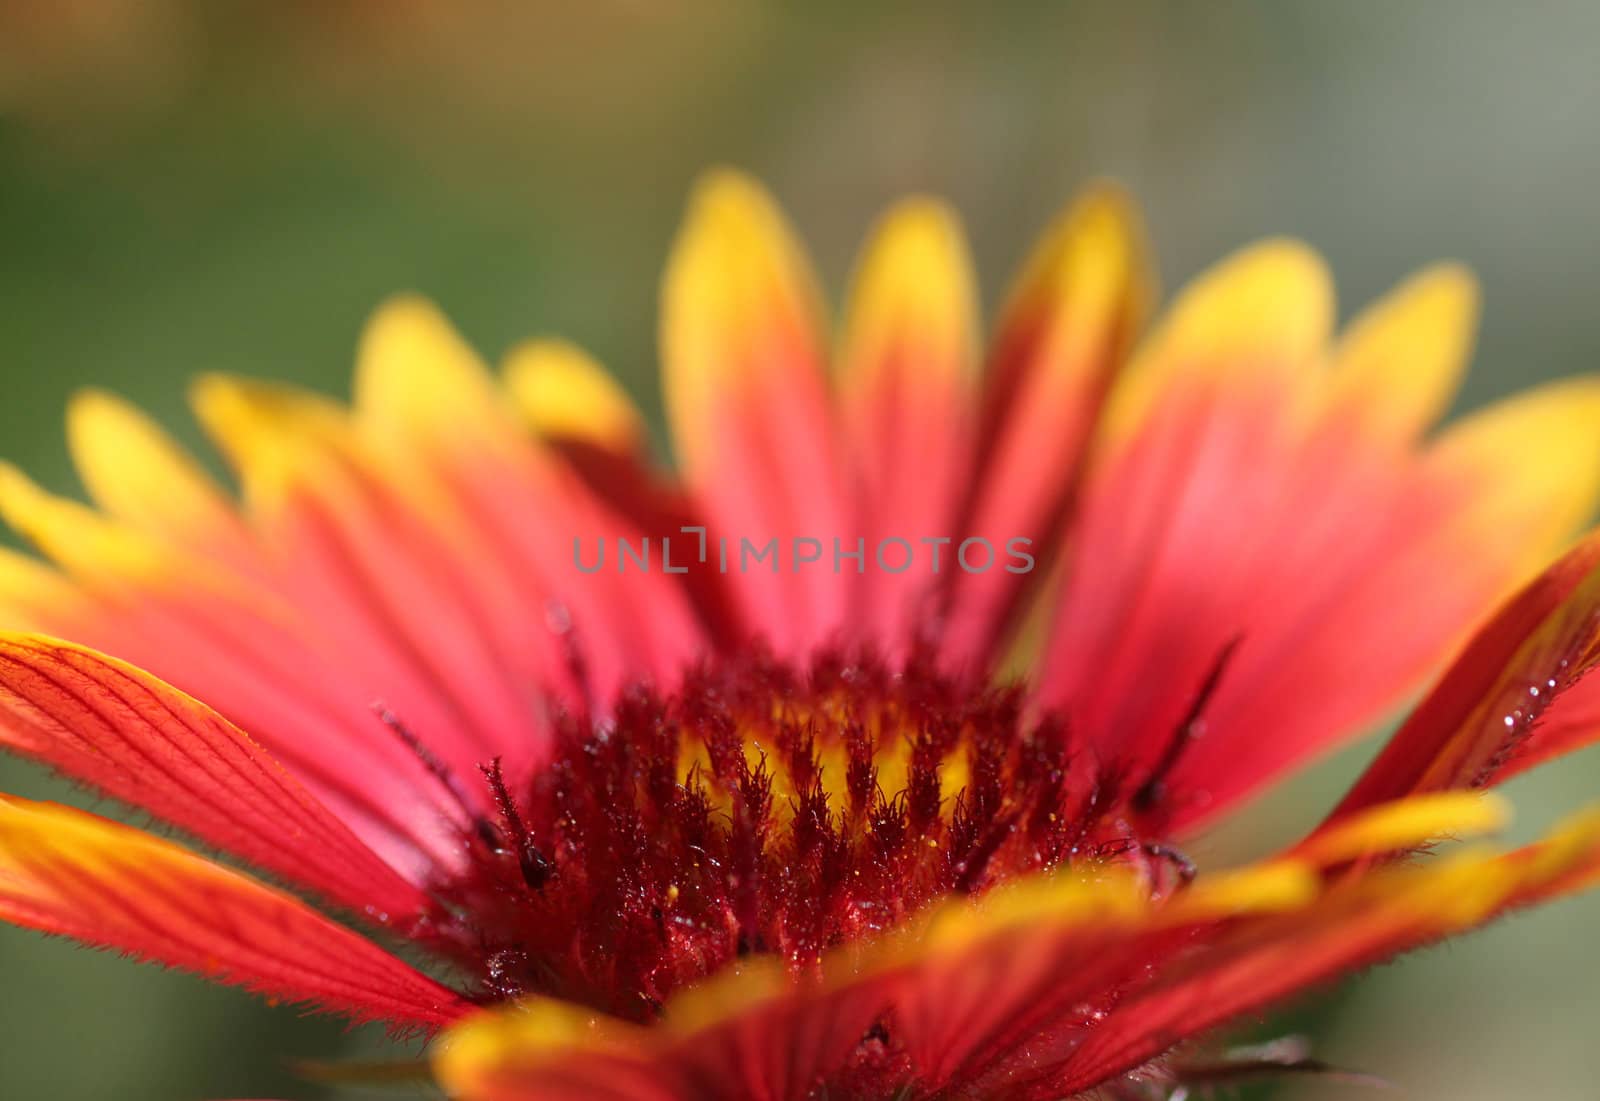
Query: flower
{"x":761,"y":813}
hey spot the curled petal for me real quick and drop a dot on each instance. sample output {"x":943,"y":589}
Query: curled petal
{"x":1405,"y":825}
{"x":989,"y":980}
{"x":1487,"y":708}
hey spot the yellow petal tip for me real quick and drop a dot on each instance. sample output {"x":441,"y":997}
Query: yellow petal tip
{"x":414,"y":371}
{"x":914,"y":291}
{"x":565,"y":395}
{"x":1401,"y":360}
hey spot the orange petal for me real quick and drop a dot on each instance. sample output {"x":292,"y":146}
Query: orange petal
{"x":113,"y":726}
{"x":990,"y":977}
{"x":747,"y":1036}
{"x":66,"y":872}
{"x":1260,"y":961}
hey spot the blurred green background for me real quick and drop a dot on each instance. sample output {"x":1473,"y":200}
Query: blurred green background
{"x":188,"y":186}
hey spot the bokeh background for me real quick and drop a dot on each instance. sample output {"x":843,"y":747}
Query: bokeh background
{"x":189,"y":186}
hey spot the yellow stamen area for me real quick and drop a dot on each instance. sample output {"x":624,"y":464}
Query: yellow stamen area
{"x":891,"y":758}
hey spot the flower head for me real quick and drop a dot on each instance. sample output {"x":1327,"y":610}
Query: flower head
{"x":857,"y":760}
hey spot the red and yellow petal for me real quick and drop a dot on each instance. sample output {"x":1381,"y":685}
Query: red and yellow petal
{"x":1261,"y":961}
{"x":566,"y":397}
{"x":138,"y":474}
{"x":760,"y":1034}
{"x":1044,"y":989}
{"x":586,"y":418}
{"x":1062,"y":991}
{"x":1529,"y":483}
{"x":1179,"y":514}
{"x":217,"y":635}
{"x":66,"y":872}
{"x":1489,"y":708}
{"x":426,"y":403}
{"x":129,"y":735}
{"x":749,"y":1036}
{"x":1528,"y":468}
{"x":377,"y":550}
{"x":1261,"y":514}
{"x":747,"y":400}
{"x":1399,"y":363}
{"x":1066,"y":329}
{"x":990,"y":981}
{"x":1403,"y":826}
{"x":907,"y":381}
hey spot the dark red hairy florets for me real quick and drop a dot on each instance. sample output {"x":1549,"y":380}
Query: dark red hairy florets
{"x":762,"y":808}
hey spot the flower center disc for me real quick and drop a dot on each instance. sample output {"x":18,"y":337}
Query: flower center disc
{"x":763,"y":808}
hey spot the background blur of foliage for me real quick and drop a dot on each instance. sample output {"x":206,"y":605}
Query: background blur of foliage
{"x":188,"y":186}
